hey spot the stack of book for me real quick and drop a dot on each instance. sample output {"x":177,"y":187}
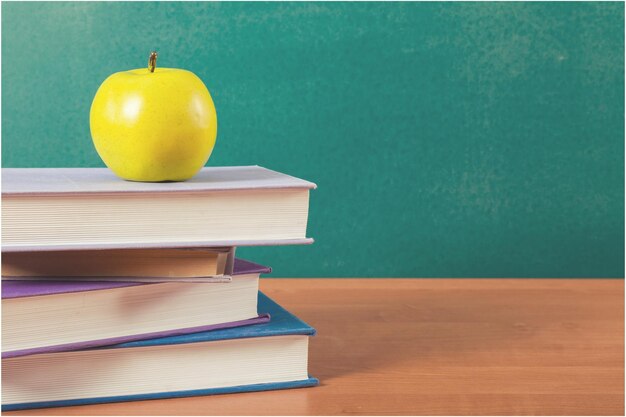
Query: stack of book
{"x":119,"y":291}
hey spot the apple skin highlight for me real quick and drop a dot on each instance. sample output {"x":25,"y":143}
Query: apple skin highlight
{"x":153,"y":124}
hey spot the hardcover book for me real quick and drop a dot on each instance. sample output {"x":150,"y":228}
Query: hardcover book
{"x":90,"y":208}
{"x":259,"y":357}
{"x":59,"y":315}
{"x":120,"y":264}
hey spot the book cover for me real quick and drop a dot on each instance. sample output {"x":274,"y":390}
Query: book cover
{"x":59,"y":181}
{"x":17,"y":289}
{"x":282,"y":323}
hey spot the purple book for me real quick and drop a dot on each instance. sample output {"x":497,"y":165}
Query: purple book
{"x":20,"y":289}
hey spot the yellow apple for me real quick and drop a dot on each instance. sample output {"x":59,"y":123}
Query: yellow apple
{"x":153,"y":124}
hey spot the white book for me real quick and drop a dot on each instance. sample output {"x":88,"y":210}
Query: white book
{"x":91,"y":208}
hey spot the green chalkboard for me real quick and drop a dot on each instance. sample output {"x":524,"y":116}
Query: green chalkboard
{"x":447,"y":139}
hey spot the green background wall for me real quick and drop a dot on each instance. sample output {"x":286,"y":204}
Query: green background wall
{"x":447,"y":140}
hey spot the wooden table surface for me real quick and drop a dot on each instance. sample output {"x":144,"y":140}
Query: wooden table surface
{"x":438,"y":347}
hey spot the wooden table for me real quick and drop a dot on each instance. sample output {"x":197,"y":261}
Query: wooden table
{"x":437,"y":347}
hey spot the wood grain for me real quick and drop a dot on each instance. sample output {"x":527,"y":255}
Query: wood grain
{"x":438,"y":347}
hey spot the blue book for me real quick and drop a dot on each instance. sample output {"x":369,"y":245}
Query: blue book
{"x":258,"y":357}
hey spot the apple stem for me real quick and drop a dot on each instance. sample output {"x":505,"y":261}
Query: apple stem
{"x":152,"y":61}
